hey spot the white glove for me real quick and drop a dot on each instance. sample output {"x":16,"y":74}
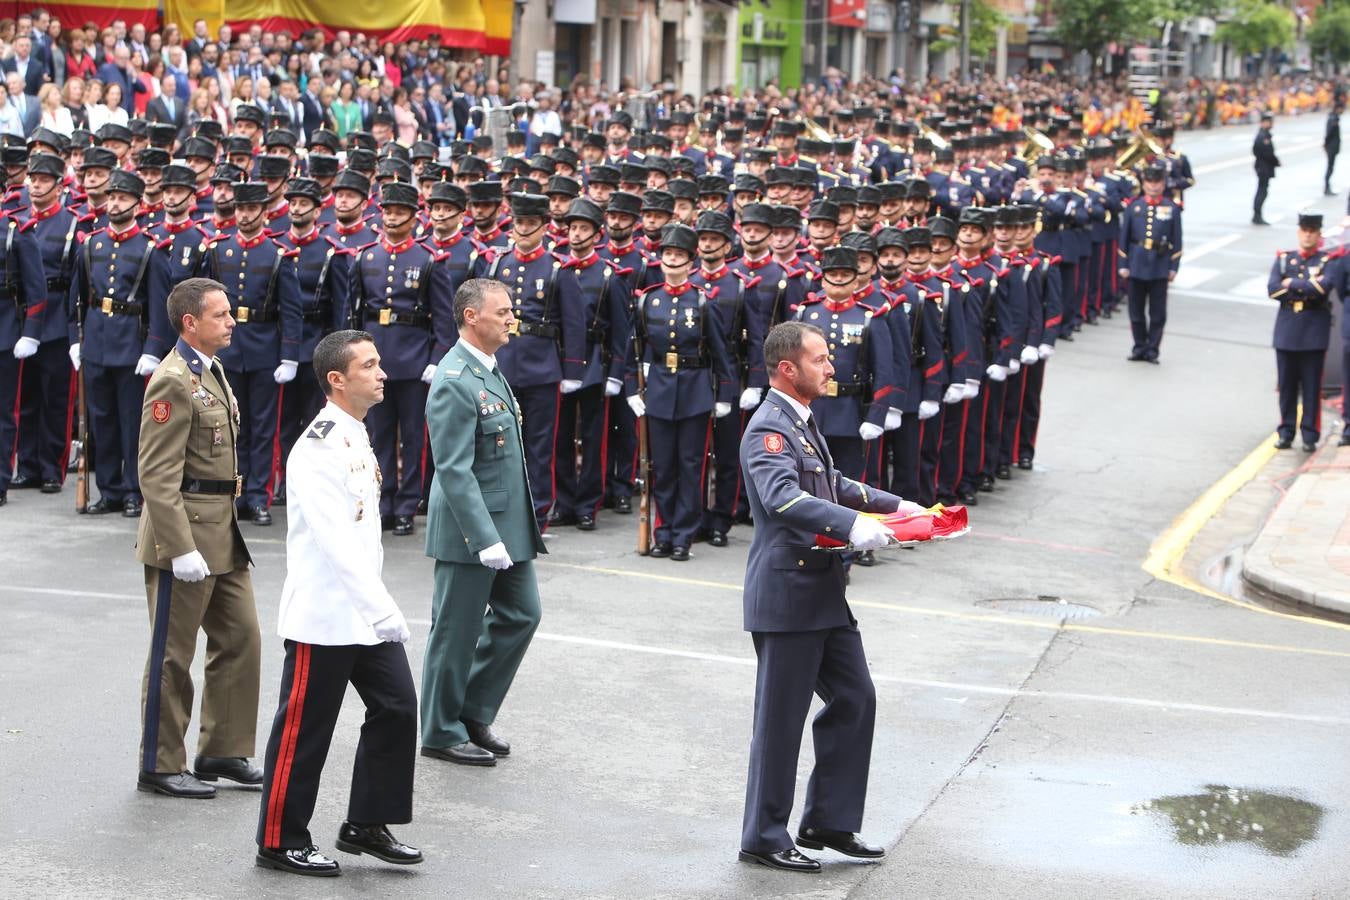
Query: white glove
{"x":569,"y":385}
{"x":146,"y":364}
{"x":637,"y":406}
{"x":1029,"y":355}
{"x":868,"y":534}
{"x":997,"y":372}
{"x":928,"y":409}
{"x":1046,"y":351}
{"x":894,"y":418}
{"x":393,"y":628}
{"x":190,"y":567}
{"x":721,"y":409}
{"x":495,"y":557}
{"x":1014,"y":366}
{"x":429,"y":373}
{"x":26,"y":347}
{"x":612,"y":387}
{"x":909,"y":508}
{"x":955,"y":393}
{"x":869,"y":432}
{"x":285,"y":372}
{"x":750,"y":398}
{"x":972,"y":388}
{"x":75,"y":356}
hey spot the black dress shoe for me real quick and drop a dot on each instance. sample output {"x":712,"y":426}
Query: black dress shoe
{"x":1309,"y":448}
{"x":986,"y":483}
{"x":660,"y":551}
{"x":585,"y":522}
{"x":789,"y":860}
{"x":1067,"y":336}
{"x":1286,"y":443}
{"x":421,"y":507}
{"x":844,"y":842}
{"x":259,"y":515}
{"x":184,"y":785}
{"x":299,"y":861}
{"x":700,"y":535}
{"x":1136,"y":356}
{"x":866,"y":559}
{"x":4,"y":498}
{"x":484,"y":737}
{"x":378,"y":842}
{"x":19,"y":482}
{"x":623,"y":505}
{"x":235,"y":768}
{"x":403,"y":526}
{"x":1345,"y":439}
{"x":279,"y":496}
{"x":562,"y":519}
{"x":466,"y":754}
{"x":717,"y":538}
{"x":1003,"y":473}
{"x":680,"y":554}
{"x":1153,"y":361}
{"x":51,"y":486}
{"x":742,"y":517}
{"x":1257,"y":220}
{"x":1024,"y":463}
{"x":946,"y":500}
{"x":132,"y":508}
{"x":386,"y":523}
{"x":102,"y":506}
{"x":969,"y":498}
{"x":1107,"y":312}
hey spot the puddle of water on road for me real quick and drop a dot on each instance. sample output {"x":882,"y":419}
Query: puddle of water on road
{"x":1276,"y":823}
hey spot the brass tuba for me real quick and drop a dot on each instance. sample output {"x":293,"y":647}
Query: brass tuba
{"x":925,"y":130}
{"x":1144,"y":145}
{"x":1037,"y":144}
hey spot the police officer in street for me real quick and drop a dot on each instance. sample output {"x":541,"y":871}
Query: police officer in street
{"x":806,"y":640}
{"x":321,"y":269}
{"x":400,"y":293}
{"x":259,"y":275}
{"x":45,"y":410}
{"x":118,"y":275}
{"x":1149,"y":256}
{"x":1263,"y":149}
{"x":340,"y":625}
{"x":546,"y":355}
{"x":1301,"y":281}
{"x":196,"y":564}
{"x":603,"y":287}
{"x":688,"y":374}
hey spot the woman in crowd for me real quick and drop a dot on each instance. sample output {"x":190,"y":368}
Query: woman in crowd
{"x":72,"y":94}
{"x":344,"y":115}
{"x":54,"y":113}
{"x":405,"y":121}
{"x":149,"y":77}
{"x":243,"y":93}
{"x":107,"y":108}
{"x":219,"y":111}
{"x":79,"y":61}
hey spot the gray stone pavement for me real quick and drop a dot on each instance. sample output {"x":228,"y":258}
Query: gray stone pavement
{"x":1019,"y":750}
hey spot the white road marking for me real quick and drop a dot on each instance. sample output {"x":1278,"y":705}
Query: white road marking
{"x":1209,"y":247}
{"x":1248,"y":159}
{"x":1189,"y":277}
{"x":1222,"y":298}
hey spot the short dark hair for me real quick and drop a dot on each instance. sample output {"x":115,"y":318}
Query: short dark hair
{"x":334,"y":353}
{"x":784,"y":341}
{"x":471,"y":295}
{"x":187,"y":297}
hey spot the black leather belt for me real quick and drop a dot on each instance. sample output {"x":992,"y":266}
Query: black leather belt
{"x":245,"y":315}
{"x":538,"y":329}
{"x":110,"y":307}
{"x":675,"y":361}
{"x":390,"y":317}
{"x":207,"y":486}
{"x":316,"y":314}
{"x":843,"y":389}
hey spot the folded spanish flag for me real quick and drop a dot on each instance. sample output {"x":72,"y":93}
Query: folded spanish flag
{"x":937,"y":523}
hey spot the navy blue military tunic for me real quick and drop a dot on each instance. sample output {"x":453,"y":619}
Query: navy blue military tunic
{"x":259,"y":278}
{"x":182,"y":244}
{"x":58,"y":231}
{"x":603,"y":290}
{"x":321,"y":270}
{"x":549,"y":342}
{"x":859,"y":341}
{"x":400,"y":293}
{"x":689,"y":367}
{"x":1304,"y":319}
{"x":1150,"y":238}
{"x":117,"y":277}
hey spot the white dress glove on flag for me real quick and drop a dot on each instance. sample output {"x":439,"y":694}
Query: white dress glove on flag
{"x":637,"y":406}
{"x":190,"y":567}
{"x":393,"y":628}
{"x":285,"y":372}
{"x":495,"y":557}
{"x":928,"y":409}
{"x":868,"y":534}
{"x":750,"y":398}
{"x":26,"y":347}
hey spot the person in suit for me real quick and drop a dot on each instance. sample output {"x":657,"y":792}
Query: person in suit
{"x":340,"y":624}
{"x":311,"y":108}
{"x":168,"y":107}
{"x":482,"y":532}
{"x":26,"y":105}
{"x":118,"y":71}
{"x":32,"y":71}
{"x":806,"y":638}
{"x":1263,"y":148}
{"x":196,"y":563}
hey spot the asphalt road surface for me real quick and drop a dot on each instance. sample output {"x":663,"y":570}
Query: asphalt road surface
{"x":1138,"y":739}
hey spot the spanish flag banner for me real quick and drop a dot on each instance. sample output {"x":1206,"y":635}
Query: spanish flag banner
{"x":460,"y":23}
{"x":101,"y":13}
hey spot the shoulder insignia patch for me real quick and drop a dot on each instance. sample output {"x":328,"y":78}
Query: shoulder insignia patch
{"x":320,"y":429}
{"x":159,"y":411}
{"x":773,"y":443}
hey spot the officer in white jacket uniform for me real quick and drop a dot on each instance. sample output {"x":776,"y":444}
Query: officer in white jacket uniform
{"x":340,"y":625}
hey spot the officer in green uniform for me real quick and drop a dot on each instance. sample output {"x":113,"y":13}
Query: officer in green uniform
{"x":482,"y":532}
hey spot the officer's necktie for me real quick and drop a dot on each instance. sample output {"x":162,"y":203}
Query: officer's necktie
{"x":823,"y":451}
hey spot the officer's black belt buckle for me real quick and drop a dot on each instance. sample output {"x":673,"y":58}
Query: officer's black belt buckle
{"x":539,"y":329}
{"x":234,"y":486}
{"x":675,"y":362}
{"x":313,"y":315}
{"x":110,"y":307}
{"x":256,"y":315}
{"x":1148,"y":243}
{"x":848,"y":389}
{"x":391,"y":317}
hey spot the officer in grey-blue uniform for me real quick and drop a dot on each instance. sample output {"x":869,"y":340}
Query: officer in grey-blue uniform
{"x":806,"y":638}
{"x":1149,"y":256}
{"x":400,"y":293}
{"x":688,"y":377}
{"x":259,"y":276}
{"x":118,"y":276}
{"x":1302,"y":281}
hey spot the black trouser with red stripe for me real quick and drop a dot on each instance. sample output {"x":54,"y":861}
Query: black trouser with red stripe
{"x":728,"y":492}
{"x":952,"y":448}
{"x":582,"y":415}
{"x":314,"y":680}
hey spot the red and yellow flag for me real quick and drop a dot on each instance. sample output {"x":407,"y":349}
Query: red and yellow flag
{"x":460,"y":23}
{"x":101,"y":12}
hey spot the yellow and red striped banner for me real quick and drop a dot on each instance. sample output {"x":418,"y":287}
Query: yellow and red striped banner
{"x":460,"y":23}
{"x":101,"y":12}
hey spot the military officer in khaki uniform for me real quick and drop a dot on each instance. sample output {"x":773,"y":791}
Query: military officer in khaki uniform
{"x":196,"y":564}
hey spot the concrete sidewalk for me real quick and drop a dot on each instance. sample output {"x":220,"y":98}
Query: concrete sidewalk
{"x":1302,"y":553}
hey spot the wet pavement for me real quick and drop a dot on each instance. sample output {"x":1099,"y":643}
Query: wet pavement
{"x":1051,"y":718}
